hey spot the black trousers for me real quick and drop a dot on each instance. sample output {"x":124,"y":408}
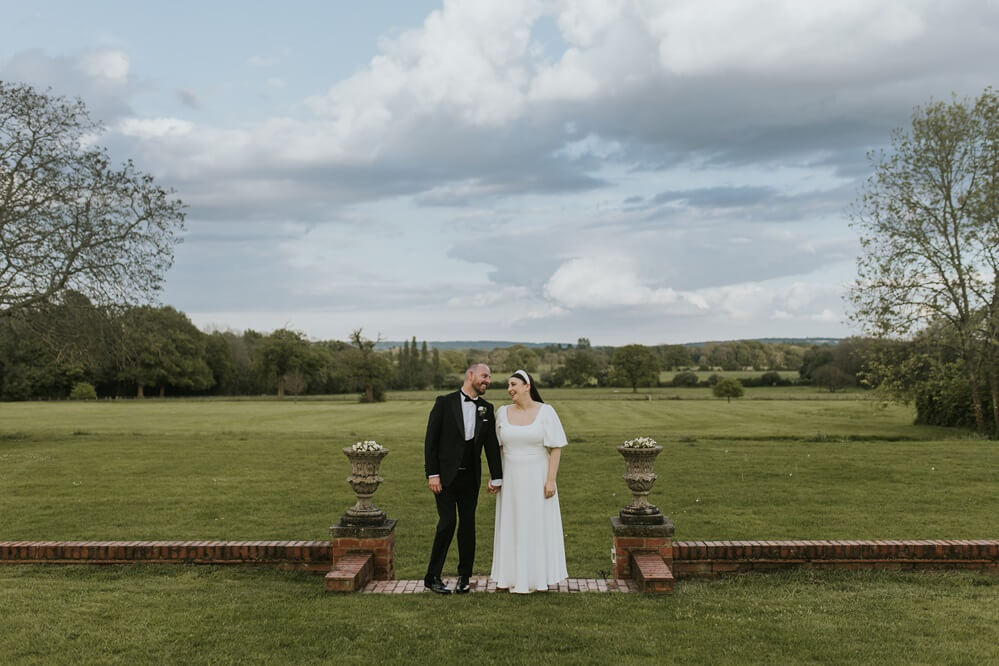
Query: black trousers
{"x":456,"y":508}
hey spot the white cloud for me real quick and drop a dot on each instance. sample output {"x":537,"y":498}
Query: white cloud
{"x":468,"y":61}
{"x":106,"y":63}
{"x":460,"y":193}
{"x":148,"y":128}
{"x":771,"y":36}
{"x":590,"y":146}
{"x":601,"y":282}
{"x":777,"y":300}
{"x":584,"y":22}
{"x":568,"y":80}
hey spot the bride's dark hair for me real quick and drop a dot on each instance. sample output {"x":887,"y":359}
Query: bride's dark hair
{"x":520,"y":374}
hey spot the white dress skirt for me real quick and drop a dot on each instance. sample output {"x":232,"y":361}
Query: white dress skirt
{"x":528,"y":545}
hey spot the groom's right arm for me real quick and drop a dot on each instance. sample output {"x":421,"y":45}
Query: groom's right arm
{"x":431,"y":446}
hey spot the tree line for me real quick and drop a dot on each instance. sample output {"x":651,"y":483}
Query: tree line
{"x":71,"y":347}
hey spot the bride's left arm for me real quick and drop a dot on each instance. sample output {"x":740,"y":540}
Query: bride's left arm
{"x":554,"y":439}
{"x":554,"y":455}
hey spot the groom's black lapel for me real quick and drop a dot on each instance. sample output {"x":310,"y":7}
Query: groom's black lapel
{"x":456,"y":410}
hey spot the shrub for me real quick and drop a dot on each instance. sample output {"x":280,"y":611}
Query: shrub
{"x":685,"y":379}
{"x":772,"y":379}
{"x":83,"y":391}
{"x":944,"y":399}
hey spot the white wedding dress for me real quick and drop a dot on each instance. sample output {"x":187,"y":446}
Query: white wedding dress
{"x":528,"y":545}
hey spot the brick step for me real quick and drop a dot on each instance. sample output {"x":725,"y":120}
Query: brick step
{"x":351,"y":572}
{"x":651,"y":573}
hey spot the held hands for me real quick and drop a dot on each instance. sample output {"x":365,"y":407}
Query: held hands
{"x":549,"y":489}
{"x":493,"y":489}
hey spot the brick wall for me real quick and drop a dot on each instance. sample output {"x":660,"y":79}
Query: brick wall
{"x":689,"y":558}
{"x":713,"y":558}
{"x":301,"y":555}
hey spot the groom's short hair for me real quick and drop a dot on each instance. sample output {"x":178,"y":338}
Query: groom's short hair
{"x":473,"y":366}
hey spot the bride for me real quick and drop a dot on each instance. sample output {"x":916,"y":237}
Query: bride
{"x":528,"y":548}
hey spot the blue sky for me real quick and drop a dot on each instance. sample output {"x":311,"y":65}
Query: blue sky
{"x":623,"y":170}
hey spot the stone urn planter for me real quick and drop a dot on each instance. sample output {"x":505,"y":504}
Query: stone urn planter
{"x":364,"y":481}
{"x":640,"y":475}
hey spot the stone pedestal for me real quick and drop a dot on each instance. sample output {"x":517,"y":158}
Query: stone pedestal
{"x":629,"y":539}
{"x":378,"y":540}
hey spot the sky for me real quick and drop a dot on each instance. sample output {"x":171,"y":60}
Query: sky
{"x":630,"y":171}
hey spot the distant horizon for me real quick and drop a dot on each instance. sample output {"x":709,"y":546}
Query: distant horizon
{"x":501,"y":344}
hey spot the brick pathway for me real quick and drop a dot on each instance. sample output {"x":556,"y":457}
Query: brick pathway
{"x":483,"y":584}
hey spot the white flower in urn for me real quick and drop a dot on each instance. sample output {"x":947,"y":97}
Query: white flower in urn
{"x":367,"y":446}
{"x":641,"y":443}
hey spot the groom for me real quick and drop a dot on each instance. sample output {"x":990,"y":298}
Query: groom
{"x":461,"y":425}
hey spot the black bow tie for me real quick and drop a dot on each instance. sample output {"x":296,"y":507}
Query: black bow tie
{"x":467,"y":399}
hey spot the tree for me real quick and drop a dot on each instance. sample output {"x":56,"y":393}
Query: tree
{"x":367,"y":370}
{"x":831,"y":377}
{"x":727,"y":388}
{"x":437,"y":372}
{"x":813,"y":359}
{"x":221,"y":361}
{"x":675,"y":356}
{"x":520,"y":357}
{"x":281,"y":353}
{"x":28,"y":367}
{"x":68,"y":218}
{"x":929,"y":226}
{"x":723,"y":356}
{"x":635,"y":365}
{"x":925,"y":371}
{"x":163,"y":349}
{"x":581,"y":367}
{"x":426,"y":375}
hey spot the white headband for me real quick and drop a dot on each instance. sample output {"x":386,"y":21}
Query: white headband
{"x":523,"y":375}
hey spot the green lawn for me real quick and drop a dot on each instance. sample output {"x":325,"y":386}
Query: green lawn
{"x":153,"y":614}
{"x":798,"y":464}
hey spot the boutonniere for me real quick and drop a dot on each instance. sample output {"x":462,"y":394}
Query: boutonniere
{"x":482,"y":411}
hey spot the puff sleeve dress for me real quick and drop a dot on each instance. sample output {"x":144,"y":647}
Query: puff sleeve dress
{"x":528,"y":545}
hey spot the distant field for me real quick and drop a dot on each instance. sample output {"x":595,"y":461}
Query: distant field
{"x":667,"y":375}
{"x":777,"y":464}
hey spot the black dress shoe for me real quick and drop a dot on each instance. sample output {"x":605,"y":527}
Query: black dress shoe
{"x":435,"y":584}
{"x":462,"y":587}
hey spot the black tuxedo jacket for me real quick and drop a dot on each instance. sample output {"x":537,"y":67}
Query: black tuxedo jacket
{"x":445,"y":443}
